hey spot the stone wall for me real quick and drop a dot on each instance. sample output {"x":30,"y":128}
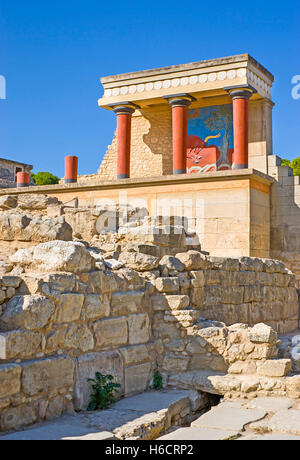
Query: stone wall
{"x":72,"y":312}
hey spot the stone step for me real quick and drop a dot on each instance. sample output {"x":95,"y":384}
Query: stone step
{"x":141,"y":417}
{"x":198,"y":434}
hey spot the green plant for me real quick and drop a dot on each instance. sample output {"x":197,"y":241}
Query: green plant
{"x":44,"y":178}
{"x":102,"y":395}
{"x":157,"y":381}
{"x":295,"y":164}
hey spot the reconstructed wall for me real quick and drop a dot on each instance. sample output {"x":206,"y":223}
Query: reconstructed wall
{"x":285,"y":215}
{"x":68,"y":316}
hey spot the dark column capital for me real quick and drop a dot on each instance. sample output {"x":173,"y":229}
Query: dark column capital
{"x":124,"y":107}
{"x":180,"y":100}
{"x":241,"y":91}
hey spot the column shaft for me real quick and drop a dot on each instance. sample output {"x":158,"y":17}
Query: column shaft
{"x":71,"y":169}
{"x":240,"y":132}
{"x":179,"y":123}
{"x":123,"y":141}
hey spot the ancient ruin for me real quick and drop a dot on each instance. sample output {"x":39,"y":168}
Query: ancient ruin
{"x":177,"y":257}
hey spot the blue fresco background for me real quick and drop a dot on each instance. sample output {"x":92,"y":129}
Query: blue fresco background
{"x":211,"y":121}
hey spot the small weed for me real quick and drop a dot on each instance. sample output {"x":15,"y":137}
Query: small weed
{"x":103,"y":392}
{"x":157,"y":381}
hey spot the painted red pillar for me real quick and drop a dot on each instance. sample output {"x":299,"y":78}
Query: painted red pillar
{"x":179,"y":104}
{"x":240,"y":103}
{"x":23,"y":179}
{"x":71,"y":169}
{"x":124,"y":113}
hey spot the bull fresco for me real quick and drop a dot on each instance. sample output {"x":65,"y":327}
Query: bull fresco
{"x":210,"y":139}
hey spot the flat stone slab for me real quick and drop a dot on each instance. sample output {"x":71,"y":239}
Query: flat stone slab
{"x":67,"y":427}
{"x":228,"y":416}
{"x":270,"y":437}
{"x":270,"y":404}
{"x":151,"y":401}
{"x":284,"y":421}
{"x":198,"y":434}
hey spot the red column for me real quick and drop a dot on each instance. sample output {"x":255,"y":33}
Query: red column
{"x":71,"y":169}
{"x":179,"y":104}
{"x":23,"y":179}
{"x":124,"y":114}
{"x":240,"y":102}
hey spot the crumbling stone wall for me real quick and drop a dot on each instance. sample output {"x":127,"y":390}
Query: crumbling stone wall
{"x":74,"y":312}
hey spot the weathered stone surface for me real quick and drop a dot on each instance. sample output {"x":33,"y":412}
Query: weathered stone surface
{"x":8,"y":202}
{"x":17,"y":417}
{"x":47,"y":375}
{"x":138,"y":261}
{"x":97,"y":306}
{"x":137,"y":378}
{"x":68,"y":308}
{"x":170,"y":264}
{"x":261,"y":333}
{"x":123,"y":303}
{"x":228,"y":417}
{"x":10,"y":380}
{"x":135,"y":354}
{"x":108,"y":363}
{"x":284,"y":421}
{"x":275,"y":368}
{"x":178,"y":302}
{"x":167,"y":284}
{"x":198,"y":434}
{"x":43,"y":229}
{"x":192,"y":260}
{"x":29,"y":311}
{"x":111,"y":332}
{"x":19,"y":344}
{"x":11,"y":281}
{"x":270,"y":404}
{"x":36,"y":201}
{"x":57,"y":282}
{"x":139,"y":328}
{"x":78,"y":336}
{"x":65,"y":256}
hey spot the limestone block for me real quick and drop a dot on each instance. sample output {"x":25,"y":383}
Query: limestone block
{"x":123,"y":303}
{"x":212,"y":295}
{"x":232,"y":295}
{"x":247,"y":278}
{"x":135,"y":354}
{"x":69,"y":308}
{"x":139,"y":328}
{"x":55,"y":408}
{"x":17,"y":417}
{"x":29,"y":311}
{"x":167,"y":284}
{"x":57,"y":282}
{"x":108,"y":363}
{"x":10,"y":380}
{"x":43,"y":229}
{"x":275,"y":368}
{"x":47,"y":375}
{"x":111,"y":332}
{"x":178,"y":302}
{"x":56,"y":256}
{"x":159,"y":302}
{"x":19,"y":344}
{"x":78,"y":336}
{"x":11,"y":281}
{"x":273,"y":266}
{"x":175,"y":362}
{"x":36,"y":202}
{"x":137,"y":378}
{"x":96,"y":306}
{"x":200,"y":277}
{"x":8,"y":202}
{"x":224,"y":263}
{"x":251,"y":264}
{"x":171,"y":263}
{"x":193,"y":260}
{"x":242,"y":367}
{"x":261,"y":333}
{"x":138,"y":261}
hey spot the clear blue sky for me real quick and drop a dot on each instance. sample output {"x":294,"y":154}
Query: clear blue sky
{"x":53,"y":53}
